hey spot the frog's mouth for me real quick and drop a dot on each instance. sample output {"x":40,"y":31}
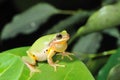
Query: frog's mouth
{"x":66,"y":37}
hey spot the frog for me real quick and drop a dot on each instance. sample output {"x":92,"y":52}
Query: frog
{"x":44,"y":48}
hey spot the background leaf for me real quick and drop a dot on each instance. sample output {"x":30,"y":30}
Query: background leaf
{"x":107,"y":17}
{"x":74,"y":69}
{"x":113,"y":61}
{"x":88,"y":44}
{"x":114,"y":73}
{"x":112,"y":32}
{"x":29,"y":21}
{"x":69,"y":22}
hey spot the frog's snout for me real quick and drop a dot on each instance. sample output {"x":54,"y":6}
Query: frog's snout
{"x":67,"y":37}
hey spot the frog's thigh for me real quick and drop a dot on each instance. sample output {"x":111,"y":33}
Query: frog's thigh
{"x":30,"y":64}
{"x":28,"y":60}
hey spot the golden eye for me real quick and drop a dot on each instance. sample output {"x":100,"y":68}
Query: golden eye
{"x":59,"y":36}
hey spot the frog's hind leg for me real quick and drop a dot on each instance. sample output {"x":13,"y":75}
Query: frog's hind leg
{"x":30,"y":64}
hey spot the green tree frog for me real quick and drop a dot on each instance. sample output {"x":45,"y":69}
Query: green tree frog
{"x":45,"y":48}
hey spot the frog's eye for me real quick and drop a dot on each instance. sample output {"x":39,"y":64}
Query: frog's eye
{"x":59,"y":36}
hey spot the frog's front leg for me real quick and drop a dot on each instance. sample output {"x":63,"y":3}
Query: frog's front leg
{"x":51,"y":53}
{"x":66,"y":54}
{"x":30,"y":64}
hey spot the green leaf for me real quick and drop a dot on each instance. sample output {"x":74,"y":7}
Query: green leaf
{"x":114,"y":73}
{"x":70,"y":21}
{"x":12,"y":68}
{"x":28,"y":21}
{"x":106,"y":2}
{"x":112,"y":32}
{"x":88,"y":44}
{"x":107,"y":17}
{"x":113,"y":61}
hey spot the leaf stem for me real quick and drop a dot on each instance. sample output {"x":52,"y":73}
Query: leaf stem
{"x":103,"y":54}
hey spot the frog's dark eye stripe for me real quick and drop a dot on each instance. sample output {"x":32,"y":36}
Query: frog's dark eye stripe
{"x":58,"y":36}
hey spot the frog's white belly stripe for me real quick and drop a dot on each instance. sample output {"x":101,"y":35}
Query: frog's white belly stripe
{"x":42,"y":56}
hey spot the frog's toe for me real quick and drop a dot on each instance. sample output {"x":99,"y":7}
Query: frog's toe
{"x":66,"y":54}
{"x":34,"y":70}
{"x":57,"y":65}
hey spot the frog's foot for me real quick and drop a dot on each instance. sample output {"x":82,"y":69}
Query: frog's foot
{"x":66,"y":54}
{"x":31,"y":64}
{"x":32,"y":69}
{"x":35,"y":70}
{"x":55,"y":65}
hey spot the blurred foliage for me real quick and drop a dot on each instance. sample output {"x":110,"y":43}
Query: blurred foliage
{"x":109,"y":70}
{"x":29,"y":21}
{"x":88,"y":28}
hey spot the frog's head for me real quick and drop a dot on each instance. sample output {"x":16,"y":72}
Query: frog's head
{"x":62,"y":36}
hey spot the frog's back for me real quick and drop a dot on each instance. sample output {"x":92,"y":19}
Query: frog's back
{"x":40,"y":44}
